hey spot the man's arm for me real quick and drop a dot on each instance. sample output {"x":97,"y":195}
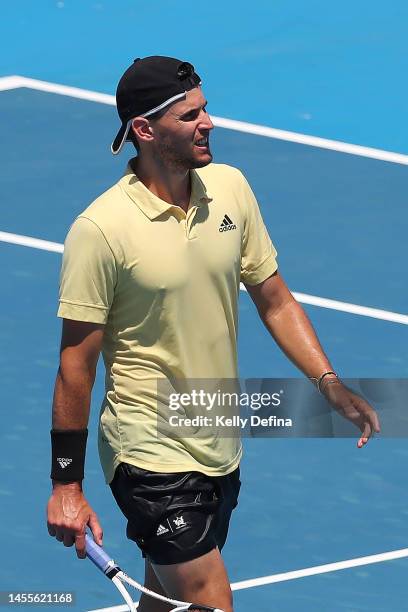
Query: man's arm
{"x":289,"y":325}
{"x":68,"y":511}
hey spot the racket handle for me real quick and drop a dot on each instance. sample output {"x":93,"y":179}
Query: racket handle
{"x":100,"y":558}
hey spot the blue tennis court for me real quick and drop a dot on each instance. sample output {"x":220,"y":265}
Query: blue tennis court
{"x":337,"y":216}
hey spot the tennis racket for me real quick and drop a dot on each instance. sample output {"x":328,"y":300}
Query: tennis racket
{"x":112,"y":571}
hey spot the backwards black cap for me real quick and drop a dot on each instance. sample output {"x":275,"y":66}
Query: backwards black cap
{"x":149,"y":85}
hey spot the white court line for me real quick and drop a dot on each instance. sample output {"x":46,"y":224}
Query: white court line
{"x":313,"y":141}
{"x":10,"y":82}
{"x":13,"y":82}
{"x":320,"y":569}
{"x":63,"y":90}
{"x":302,"y":573}
{"x":34,"y":243}
{"x":304,"y":298}
{"x":364,"y":311}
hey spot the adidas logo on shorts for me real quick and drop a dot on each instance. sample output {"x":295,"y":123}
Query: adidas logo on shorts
{"x":161,"y":530}
{"x":227,"y":225}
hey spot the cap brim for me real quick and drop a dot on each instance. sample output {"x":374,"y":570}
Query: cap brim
{"x":120,"y":139}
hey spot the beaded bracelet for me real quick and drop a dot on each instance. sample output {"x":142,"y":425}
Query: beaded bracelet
{"x":319,"y":380}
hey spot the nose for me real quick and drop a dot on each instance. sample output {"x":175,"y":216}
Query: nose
{"x":206,"y":122}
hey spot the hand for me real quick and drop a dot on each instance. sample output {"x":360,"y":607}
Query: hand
{"x":353,"y":407}
{"x":68,"y":515}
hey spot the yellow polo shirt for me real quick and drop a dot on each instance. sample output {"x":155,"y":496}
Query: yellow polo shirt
{"x":166,"y":285}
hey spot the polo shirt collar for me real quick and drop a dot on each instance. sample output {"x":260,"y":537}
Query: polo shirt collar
{"x":153,"y":206}
{"x":199,"y":193}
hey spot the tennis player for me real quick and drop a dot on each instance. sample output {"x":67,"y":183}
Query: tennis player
{"x":150,"y":277}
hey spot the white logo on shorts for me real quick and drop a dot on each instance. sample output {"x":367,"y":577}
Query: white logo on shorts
{"x":179,"y":522}
{"x":161,"y":530}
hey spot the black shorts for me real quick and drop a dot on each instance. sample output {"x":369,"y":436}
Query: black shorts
{"x":175,"y":517}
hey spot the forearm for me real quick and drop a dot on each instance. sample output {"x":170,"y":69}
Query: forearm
{"x":68,"y":511}
{"x":72,"y":398}
{"x":293,"y":332}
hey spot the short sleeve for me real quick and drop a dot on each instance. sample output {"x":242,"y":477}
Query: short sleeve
{"x":258,"y":255}
{"x":88,"y":274}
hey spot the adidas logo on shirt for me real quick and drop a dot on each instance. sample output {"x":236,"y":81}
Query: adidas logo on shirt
{"x":227,"y":225}
{"x":64,"y":461}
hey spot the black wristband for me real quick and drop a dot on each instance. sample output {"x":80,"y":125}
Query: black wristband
{"x":68,"y":448}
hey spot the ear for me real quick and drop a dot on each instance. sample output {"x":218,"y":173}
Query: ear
{"x":142,"y":128}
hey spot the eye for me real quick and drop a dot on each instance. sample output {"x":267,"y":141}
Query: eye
{"x":190,"y":116}
{"x":193,"y":114}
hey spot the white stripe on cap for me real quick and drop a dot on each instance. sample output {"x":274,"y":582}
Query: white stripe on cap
{"x":122,"y":142}
{"x":164,"y":104}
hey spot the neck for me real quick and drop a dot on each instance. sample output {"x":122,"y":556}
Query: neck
{"x":169,"y":185}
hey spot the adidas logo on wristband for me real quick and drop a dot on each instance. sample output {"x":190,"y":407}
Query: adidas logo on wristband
{"x":64,"y":461}
{"x":68,"y":454}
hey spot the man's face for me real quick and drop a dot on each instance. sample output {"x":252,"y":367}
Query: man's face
{"x":182,"y":134}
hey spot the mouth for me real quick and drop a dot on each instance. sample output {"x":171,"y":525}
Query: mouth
{"x":202,"y":143}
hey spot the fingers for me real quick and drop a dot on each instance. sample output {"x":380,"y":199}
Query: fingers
{"x":80,"y":545}
{"x":59,"y":535}
{"x":363,"y":415}
{"x":51,"y":529}
{"x":369,"y":413}
{"x":68,"y":515}
{"x":80,"y":541}
{"x":96,"y":528}
{"x":375,"y":422}
{"x":370,"y":421}
{"x":362,"y":442}
{"x":68,"y":538}
{"x":366,"y":434}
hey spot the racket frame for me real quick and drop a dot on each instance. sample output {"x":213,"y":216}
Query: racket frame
{"x":107,"y":566}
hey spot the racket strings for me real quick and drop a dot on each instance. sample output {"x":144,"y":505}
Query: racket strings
{"x":121,"y":588}
{"x":181,"y":606}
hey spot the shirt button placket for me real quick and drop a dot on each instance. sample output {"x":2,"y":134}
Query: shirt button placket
{"x":181,"y":219}
{"x":190,"y":223}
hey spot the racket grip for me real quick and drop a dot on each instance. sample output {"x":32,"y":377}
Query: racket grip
{"x":100,"y":558}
